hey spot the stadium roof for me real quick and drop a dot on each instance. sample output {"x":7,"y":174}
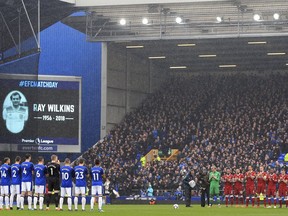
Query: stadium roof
{"x":199,"y":19}
{"x":239,"y":42}
{"x":10,"y":10}
{"x":220,"y":35}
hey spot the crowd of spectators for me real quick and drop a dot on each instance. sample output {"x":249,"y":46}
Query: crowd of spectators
{"x":226,"y":120}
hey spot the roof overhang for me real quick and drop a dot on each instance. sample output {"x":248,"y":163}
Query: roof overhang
{"x":93,"y":3}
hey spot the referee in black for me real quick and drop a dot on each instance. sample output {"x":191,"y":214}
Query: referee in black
{"x":53,"y":181}
{"x":187,"y":188}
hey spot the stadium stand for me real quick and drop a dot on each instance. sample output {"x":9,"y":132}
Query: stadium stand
{"x":226,"y":120}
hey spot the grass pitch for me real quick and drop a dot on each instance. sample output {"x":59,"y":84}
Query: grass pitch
{"x":155,"y":210}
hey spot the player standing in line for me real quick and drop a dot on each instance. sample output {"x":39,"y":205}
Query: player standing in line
{"x":238,"y":187}
{"x":15,"y":183}
{"x":261,"y":179}
{"x":97,"y":175}
{"x":5,"y":172}
{"x":27,"y":170}
{"x":53,"y":180}
{"x":40,"y":182}
{"x":250,"y":186}
{"x":228,"y":180}
{"x":81,"y":173}
{"x":283,"y":180}
{"x":271,"y":192}
{"x":67,"y":174}
{"x":214,"y":178}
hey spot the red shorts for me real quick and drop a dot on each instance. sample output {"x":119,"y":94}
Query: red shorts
{"x":228,"y":190}
{"x":250,"y":190}
{"x":282,"y":191}
{"x":271,"y":192}
{"x":238,"y":190}
{"x":261,"y":188}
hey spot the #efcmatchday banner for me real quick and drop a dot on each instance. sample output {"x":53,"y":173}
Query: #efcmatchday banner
{"x":40,"y":113}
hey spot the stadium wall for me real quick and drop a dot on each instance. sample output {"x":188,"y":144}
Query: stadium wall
{"x":130,"y":79}
{"x":64,"y":51}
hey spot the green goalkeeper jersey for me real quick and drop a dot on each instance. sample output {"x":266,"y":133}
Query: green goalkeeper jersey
{"x":214,"y":178}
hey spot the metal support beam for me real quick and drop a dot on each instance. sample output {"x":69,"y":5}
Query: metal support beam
{"x":19,"y":30}
{"x":39,"y":24}
{"x":10,"y":33}
{"x":30,"y":23}
{"x":103,"y":131}
{"x":93,"y":3}
{"x":100,"y":29}
{"x":187,"y":37}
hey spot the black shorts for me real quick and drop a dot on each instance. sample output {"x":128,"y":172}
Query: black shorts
{"x":53,"y":184}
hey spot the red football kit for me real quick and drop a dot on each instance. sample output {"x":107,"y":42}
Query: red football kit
{"x":261,"y":186}
{"x":283,"y":180}
{"x":228,"y":184}
{"x":272,"y":181}
{"x":271,"y":191}
{"x":261,"y":182}
{"x":238,"y":188}
{"x":238,"y":185}
{"x":250,"y":187}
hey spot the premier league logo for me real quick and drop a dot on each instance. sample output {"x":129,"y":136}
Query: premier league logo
{"x":37,"y":141}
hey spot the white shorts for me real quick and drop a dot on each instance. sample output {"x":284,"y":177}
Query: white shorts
{"x":4,"y":190}
{"x":96,"y":190}
{"x":26,"y":187}
{"x":15,"y":189}
{"x":66,"y":191}
{"x":39,"y":189}
{"x":80,"y":190}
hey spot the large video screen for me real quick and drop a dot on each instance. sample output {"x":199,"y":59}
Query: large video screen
{"x":40,"y":113}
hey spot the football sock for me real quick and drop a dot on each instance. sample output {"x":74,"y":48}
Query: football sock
{"x":76,"y":202}
{"x":41,"y":202}
{"x":69,"y":202}
{"x":22,"y":202}
{"x":61,"y":202}
{"x":56,"y":199}
{"x":92,"y":202}
{"x":35,"y":201}
{"x":1,"y":202}
{"x":231,"y":200}
{"x":29,"y":202}
{"x":253,"y":201}
{"x":12,"y":199}
{"x":83,"y":202}
{"x":247,"y":201}
{"x":48,"y":200}
{"x":100,"y":202}
{"x":7,"y":201}
{"x":18,"y":197}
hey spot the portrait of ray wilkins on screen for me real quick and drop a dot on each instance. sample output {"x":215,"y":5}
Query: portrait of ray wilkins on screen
{"x":15,"y":111}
